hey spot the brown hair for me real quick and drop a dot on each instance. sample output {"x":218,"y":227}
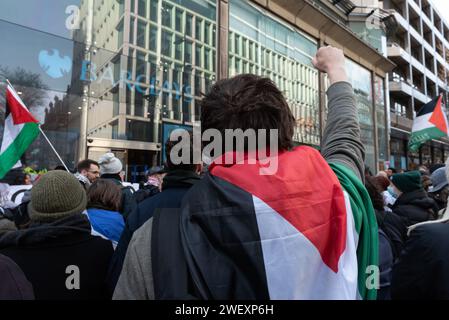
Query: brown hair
{"x":248,"y":102}
{"x":104,"y":194}
{"x":85,"y":165}
{"x":374,"y":191}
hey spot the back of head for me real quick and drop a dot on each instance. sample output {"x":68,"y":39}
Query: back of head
{"x":110,"y":164}
{"x":248,"y":102}
{"x":439,"y":179}
{"x":104,"y":194}
{"x":382,"y":182}
{"x":179,"y":159}
{"x":408,"y":181}
{"x":56,"y":195}
{"x":374,"y":193}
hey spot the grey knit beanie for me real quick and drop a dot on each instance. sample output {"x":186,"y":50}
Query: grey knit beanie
{"x":56,"y":195}
{"x":110,"y":164}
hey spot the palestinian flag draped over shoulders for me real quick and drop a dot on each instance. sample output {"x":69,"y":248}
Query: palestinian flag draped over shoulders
{"x":20,"y":130}
{"x":306,"y":232}
{"x":430,"y":123}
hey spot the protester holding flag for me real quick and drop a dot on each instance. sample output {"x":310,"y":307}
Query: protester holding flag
{"x":307,"y":231}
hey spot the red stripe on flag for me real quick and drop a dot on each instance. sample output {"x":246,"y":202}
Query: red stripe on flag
{"x":19,"y":114}
{"x":437,"y":117}
{"x":304,"y":191}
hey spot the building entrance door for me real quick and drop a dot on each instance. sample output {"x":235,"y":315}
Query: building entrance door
{"x":139,"y":161}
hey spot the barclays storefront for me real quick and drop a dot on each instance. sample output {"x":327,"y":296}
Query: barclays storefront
{"x":118,"y":75}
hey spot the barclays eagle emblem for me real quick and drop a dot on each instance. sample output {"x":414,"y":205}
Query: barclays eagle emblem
{"x":53,"y":64}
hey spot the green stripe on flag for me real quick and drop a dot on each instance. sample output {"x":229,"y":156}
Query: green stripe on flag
{"x":365,"y":225}
{"x":14,"y":152}
{"x":420,"y":137}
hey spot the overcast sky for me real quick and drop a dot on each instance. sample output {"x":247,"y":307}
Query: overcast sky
{"x":443,"y":8}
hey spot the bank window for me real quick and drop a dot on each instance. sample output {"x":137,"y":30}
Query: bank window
{"x":153,"y":38}
{"x":131,"y":35}
{"x":237,"y":44}
{"x":198,"y":86}
{"x":140,"y":64}
{"x":198,"y":28}
{"x":142,"y":8}
{"x":178,"y":47}
{"x":198,"y":55}
{"x":188,"y":51}
{"x":244,"y":48}
{"x":207,"y":32}
{"x":167,"y":12}
{"x":153,"y":10}
{"x":207,"y":59}
{"x":189,"y":19}
{"x":167,"y":43}
{"x":178,"y":21}
{"x":141,"y":34}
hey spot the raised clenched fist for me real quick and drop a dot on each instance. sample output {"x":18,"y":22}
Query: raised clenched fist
{"x":331,"y":61}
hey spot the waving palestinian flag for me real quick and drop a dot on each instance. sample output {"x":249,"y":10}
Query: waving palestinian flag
{"x":20,"y":130}
{"x":306,"y":232}
{"x":430,"y":123}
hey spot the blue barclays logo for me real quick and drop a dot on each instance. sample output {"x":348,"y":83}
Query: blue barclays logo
{"x":88,"y":73}
{"x":54,"y":64}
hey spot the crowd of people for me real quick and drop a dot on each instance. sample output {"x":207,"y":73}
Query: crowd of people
{"x":190,"y":233}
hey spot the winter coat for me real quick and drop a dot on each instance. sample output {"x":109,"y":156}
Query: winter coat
{"x":422,"y":269}
{"x":62,"y":260}
{"x":175,"y":185}
{"x":385,"y":266}
{"x":394,"y":228}
{"x":415,"y":207}
{"x":14,"y":284}
{"x":129,"y":204}
{"x":107,"y":224}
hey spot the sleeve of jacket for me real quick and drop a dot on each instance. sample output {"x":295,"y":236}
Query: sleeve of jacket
{"x":136,"y":279}
{"x":341,"y":142}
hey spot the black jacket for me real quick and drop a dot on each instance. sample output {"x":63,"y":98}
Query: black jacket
{"x":14,"y":284}
{"x":422,"y":269}
{"x":45,"y":253}
{"x":175,"y":185}
{"x":394,"y":228}
{"x":415,"y":207}
{"x":129,"y":204}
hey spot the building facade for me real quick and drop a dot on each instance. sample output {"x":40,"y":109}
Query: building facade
{"x":118,"y":75}
{"x":419,"y":47}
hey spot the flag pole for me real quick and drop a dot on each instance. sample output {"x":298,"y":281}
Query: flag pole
{"x":53,"y":148}
{"x":45,"y":136}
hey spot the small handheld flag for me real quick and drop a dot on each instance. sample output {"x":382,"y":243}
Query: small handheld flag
{"x":430,"y":123}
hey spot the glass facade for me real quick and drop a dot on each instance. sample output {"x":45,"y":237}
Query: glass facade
{"x":125,"y":68}
{"x":260,"y":44}
{"x":131,"y":64}
{"x":381,"y":121}
{"x":361,"y":80}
